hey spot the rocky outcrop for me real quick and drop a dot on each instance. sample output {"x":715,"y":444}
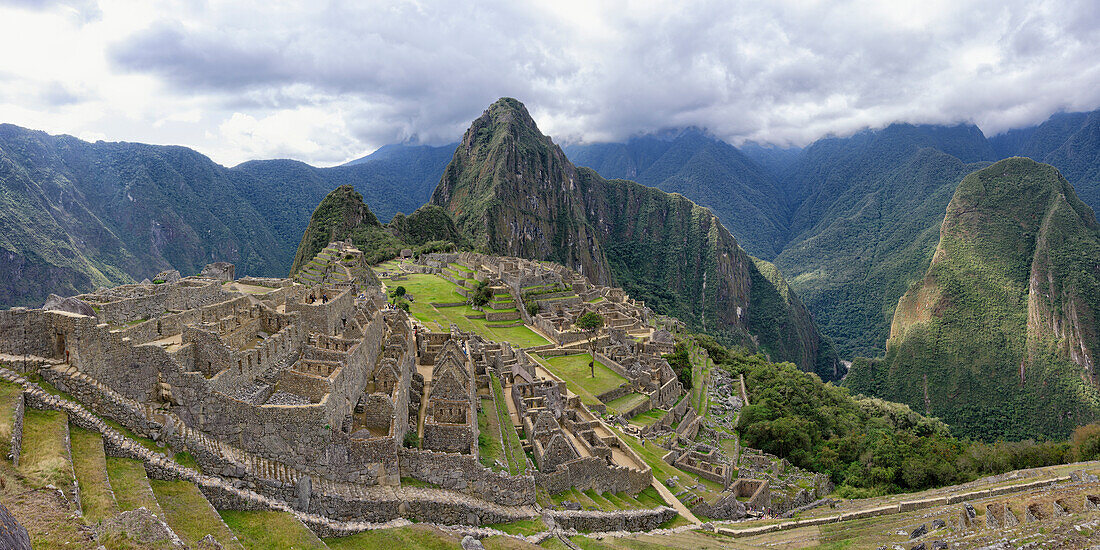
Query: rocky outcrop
{"x":511,"y":190}
{"x":12,"y":534}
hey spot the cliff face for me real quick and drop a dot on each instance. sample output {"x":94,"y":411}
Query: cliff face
{"x":512,"y":191}
{"x":999,"y":336}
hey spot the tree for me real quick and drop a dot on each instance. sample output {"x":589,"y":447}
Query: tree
{"x":590,"y":322}
{"x":482,"y":295}
{"x":398,"y":292}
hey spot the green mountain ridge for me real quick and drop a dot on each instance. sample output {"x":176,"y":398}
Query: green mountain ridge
{"x":513,"y":192}
{"x":999,"y":337}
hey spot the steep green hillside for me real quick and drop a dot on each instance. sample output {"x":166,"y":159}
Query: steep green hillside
{"x":710,"y":172}
{"x":869,"y":223}
{"x":999,"y":337}
{"x":428,"y":223}
{"x":78,"y":215}
{"x":1068,"y":141}
{"x":342,"y":215}
{"x":513,"y":192}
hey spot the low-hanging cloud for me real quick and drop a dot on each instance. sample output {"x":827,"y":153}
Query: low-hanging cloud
{"x":326,"y":82}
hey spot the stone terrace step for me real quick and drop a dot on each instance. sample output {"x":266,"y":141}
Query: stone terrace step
{"x":46,"y":459}
{"x":190,"y":515}
{"x":97,"y":499}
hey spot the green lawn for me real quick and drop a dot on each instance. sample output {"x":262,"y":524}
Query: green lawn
{"x":649,"y":417}
{"x":263,"y":530}
{"x":521,"y":527}
{"x":8,"y":394}
{"x":411,"y":536}
{"x":490,"y":448}
{"x":90,"y":465}
{"x":574,"y":370}
{"x":627,"y":402}
{"x":189,"y":514}
{"x":44,"y":459}
{"x":513,"y":449}
{"x":430,"y":288}
{"x":130,"y":484}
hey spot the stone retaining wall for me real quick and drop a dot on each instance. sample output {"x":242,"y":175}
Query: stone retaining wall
{"x":465,"y":474}
{"x":17,"y":431}
{"x":590,"y":472}
{"x":622,"y":520}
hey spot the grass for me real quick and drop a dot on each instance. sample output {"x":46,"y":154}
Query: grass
{"x":413,"y":482}
{"x":663,"y":470}
{"x":267,"y":529}
{"x":189,"y":514}
{"x":430,"y":288}
{"x":574,"y":369}
{"x":521,"y":527}
{"x":490,"y":447}
{"x":9,"y":393}
{"x":44,"y":459}
{"x":627,"y":402}
{"x":90,"y":465}
{"x":648,"y":418}
{"x":131,"y":485}
{"x":513,"y":449}
{"x":411,"y":536}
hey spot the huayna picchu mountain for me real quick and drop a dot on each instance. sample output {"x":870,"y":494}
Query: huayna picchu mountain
{"x":512,"y":191}
{"x":999,"y":337}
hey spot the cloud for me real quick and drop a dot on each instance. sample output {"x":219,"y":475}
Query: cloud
{"x":324,"y":83}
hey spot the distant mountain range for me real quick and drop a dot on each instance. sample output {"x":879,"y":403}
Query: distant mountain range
{"x":850,"y":221}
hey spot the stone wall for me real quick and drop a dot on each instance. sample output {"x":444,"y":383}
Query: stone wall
{"x":622,"y":520}
{"x":465,"y":474}
{"x":593,"y":473}
{"x":16,"y":447}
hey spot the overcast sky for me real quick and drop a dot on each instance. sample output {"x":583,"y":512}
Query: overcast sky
{"x":325,"y":82}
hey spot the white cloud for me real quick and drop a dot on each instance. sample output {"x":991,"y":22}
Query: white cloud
{"x":255,"y":79}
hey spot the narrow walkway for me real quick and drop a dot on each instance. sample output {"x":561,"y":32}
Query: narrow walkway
{"x":674,"y":502}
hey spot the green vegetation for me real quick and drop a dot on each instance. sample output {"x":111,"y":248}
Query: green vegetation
{"x":974,"y":342}
{"x":263,"y":530}
{"x":130,"y":484}
{"x":490,"y":448}
{"x":661,"y":249}
{"x":9,"y":394}
{"x":343,"y":215}
{"x":521,"y":527}
{"x":90,"y":465}
{"x":426,"y":289}
{"x":577,"y":373}
{"x":412,"y":536}
{"x":590,"y":322}
{"x":513,"y":449}
{"x":44,"y":459}
{"x":868,"y":446}
{"x":189,"y":514}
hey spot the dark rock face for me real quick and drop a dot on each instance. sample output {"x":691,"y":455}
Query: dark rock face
{"x":13,"y":535}
{"x":919,"y":531}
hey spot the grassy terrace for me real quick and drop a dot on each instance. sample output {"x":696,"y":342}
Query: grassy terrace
{"x":130,"y":484}
{"x":9,"y":393}
{"x":649,"y":417}
{"x":44,"y":459}
{"x":263,"y":530}
{"x":90,"y":465}
{"x":189,"y":514}
{"x":648,"y":498}
{"x":574,"y":370}
{"x":513,"y":449}
{"x":426,"y":289}
{"x":490,"y":448}
{"x":627,"y":402}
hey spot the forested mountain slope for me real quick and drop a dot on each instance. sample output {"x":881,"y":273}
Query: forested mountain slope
{"x":999,"y":337}
{"x":513,"y":192}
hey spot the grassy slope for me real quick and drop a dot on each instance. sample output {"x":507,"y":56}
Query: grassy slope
{"x":131,"y":485}
{"x":263,"y":530}
{"x":44,"y":458}
{"x":189,"y":514}
{"x":90,"y":464}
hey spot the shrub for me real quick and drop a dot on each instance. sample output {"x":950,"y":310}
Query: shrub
{"x":412,"y":439}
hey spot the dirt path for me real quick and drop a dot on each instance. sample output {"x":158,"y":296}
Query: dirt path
{"x":674,"y":502}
